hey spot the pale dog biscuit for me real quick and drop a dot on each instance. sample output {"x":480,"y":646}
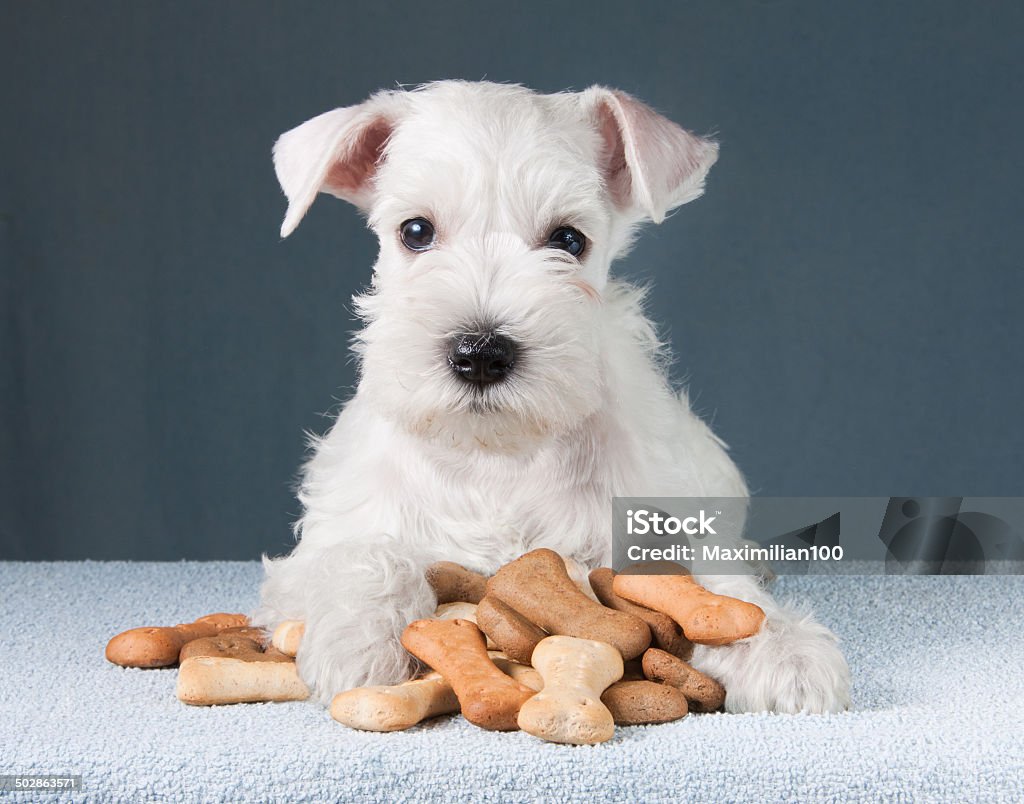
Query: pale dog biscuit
{"x":538,"y":587}
{"x":159,"y":646}
{"x":288,"y":636}
{"x":568,"y":709}
{"x":523,"y":673}
{"x":453,"y":583}
{"x":666,"y":634}
{"x":233,"y":667}
{"x":460,"y":610}
{"x":394,"y":708}
{"x":508,"y":629}
{"x":703,"y":692}
{"x":705,"y":617}
{"x":211,"y":680}
{"x":403,"y":706}
{"x":639,"y":703}
{"x":457,"y":650}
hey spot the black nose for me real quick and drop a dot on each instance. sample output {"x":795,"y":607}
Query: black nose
{"x":482,"y":357}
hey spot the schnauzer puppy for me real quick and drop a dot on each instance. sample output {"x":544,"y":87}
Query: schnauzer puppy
{"x":508,"y":387}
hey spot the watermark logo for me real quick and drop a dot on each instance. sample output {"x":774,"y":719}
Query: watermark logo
{"x":799,"y":535}
{"x":643,"y":522}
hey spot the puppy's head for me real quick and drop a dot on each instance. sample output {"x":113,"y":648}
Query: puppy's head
{"x":499,"y":211}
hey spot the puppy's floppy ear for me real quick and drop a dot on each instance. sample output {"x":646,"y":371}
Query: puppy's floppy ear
{"x":651,"y":165}
{"x":337,"y":152}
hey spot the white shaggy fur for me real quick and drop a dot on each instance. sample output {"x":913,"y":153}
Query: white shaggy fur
{"x":420,"y":466}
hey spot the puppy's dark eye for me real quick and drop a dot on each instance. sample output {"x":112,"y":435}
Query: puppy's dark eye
{"x":567,"y":239}
{"x":417,"y":234}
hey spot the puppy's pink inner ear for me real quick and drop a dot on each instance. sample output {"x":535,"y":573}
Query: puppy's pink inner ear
{"x":650,"y":164}
{"x":350,"y":174}
{"x":615,"y":166}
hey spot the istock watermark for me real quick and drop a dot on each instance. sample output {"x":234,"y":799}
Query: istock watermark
{"x":642,"y":522}
{"x":802,"y":535}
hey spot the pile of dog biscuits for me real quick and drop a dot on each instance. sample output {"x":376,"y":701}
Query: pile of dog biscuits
{"x":525,"y":649}
{"x":223,"y":660}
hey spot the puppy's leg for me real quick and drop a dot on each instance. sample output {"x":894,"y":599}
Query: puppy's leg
{"x":793,"y":665}
{"x":356,"y":598}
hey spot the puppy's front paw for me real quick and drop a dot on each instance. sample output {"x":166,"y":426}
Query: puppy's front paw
{"x":793,"y":665}
{"x":329,"y":665}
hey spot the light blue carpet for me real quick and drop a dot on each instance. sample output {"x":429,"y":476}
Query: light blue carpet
{"x":938,"y":668}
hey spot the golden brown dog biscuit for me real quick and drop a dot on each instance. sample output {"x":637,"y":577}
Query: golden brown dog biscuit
{"x":453,"y":583}
{"x":460,"y":610}
{"x":251,"y":631}
{"x":246,"y":648}
{"x":222,"y":621}
{"x":402,"y":706}
{"x":212,"y":625}
{"x":568,"y":709}
{"x":211,"y":680}
{"x":703,"y":692}
{"x":514,"y":635}
{"x":665,"y":633}
{"x":538,"y":587}
{"x":638,"y":703}
{"x":159,"y":646}
{"x":156,"y":646}
{"x":705,"y":617}
{"x":457,"y":650}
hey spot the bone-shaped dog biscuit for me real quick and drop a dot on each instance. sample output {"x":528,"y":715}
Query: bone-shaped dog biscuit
{"x":159,"y":646}
{"x":288,"y":636}
{"x":538,"y":587}
{"x":233,"y":667}
{"x":705,"y":617}
{"x":512,"y":633}
{"x":703,"y":692}
{"x":460,"y":610}
{"x":453,"y":583}
{"x":569,"y":710}
{"x":638,"y":703}
{"x":523,"y":673}
{"x":394,"y":708}
{"x":210,"y":680}
{"x":457,"y":650}
{"x":403,"y":706}
{"x":665,"y":632}
{"x":246,"y":645}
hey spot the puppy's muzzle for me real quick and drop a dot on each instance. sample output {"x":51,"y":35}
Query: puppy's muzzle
{"x":482,"y":358}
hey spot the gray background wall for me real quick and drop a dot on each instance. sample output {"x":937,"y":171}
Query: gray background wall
{"x":844,"y":302}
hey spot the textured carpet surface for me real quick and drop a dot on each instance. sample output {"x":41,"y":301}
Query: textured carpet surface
{"x":938,"y":668}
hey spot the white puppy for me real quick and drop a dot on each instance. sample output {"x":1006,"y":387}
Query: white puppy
{"x":508,"y":388}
